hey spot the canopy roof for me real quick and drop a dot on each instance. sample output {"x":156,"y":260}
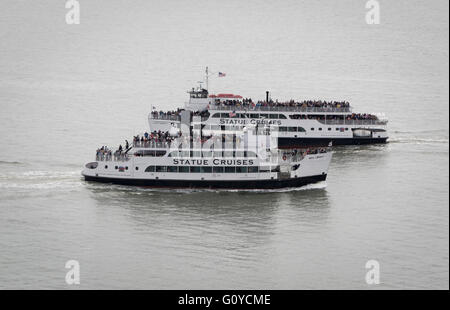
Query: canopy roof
{"x":226,"y":96}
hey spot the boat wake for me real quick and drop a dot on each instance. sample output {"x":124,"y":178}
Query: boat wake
{"x":13,"y":163}
{"x":418,"y":140}
{"x":435,"y":136}
{"x":29,"y":180}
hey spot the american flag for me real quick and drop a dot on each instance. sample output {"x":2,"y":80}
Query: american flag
{"x":233,"y":114}
{"x":221,"y":74}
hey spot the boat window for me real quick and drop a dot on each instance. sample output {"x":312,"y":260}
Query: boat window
{"x":273,"y":116}
{"x":264,"y":169}
{"x":240,"y":154}
{"x":230,"y":169}
{"x":251,"y":154}
{"x":185,"y":154}
{"x":224,"y":115}
{"x":150,"y":153}
{"x":216,"y":115}
{"x":172,"y":169}
{"x":254,"y":115}
{"x":206,"y":169}
{"x":276,"y":169}
{"x":92,"y":165}
{"x":150,"y":169}
{"x":207,"y":154}
{"x":228,"y":154}
{"x":195,"y":169}
{"x":241,"y":169}
{"x":292,"y":129}
{"x":175,"y":154}
{"x":329,"y":128}
{"x":263,"y":115}
{"x":253,"y":169}
{"x":218,"y":169}
{"x":161,"y":168}
{"x":183,"y":169}
{"x":283,"y":129}
{"x":301,"y":129}
{"x":282,"y":116}
{"x":312,"y":129}
{"x":320,"y":129}
{"x":146,"y":153}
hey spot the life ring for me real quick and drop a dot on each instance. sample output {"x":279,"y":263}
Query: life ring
{"x":284,"y":157}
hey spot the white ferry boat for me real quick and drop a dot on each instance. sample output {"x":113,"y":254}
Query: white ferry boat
{"x":299,"y":124}
{"x":190,"y":158}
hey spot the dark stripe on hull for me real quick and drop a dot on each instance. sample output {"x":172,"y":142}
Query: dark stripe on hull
{"x":256,"y":184}
{"x":302,"y":142}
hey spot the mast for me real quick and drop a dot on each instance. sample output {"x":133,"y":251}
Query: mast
{"x":207,"y":78}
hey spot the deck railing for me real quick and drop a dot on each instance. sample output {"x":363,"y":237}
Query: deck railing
{"x":113,"y":157}
{"x":151,"y":144}
{"x":353,"y":122}
{"x":165,"y":117}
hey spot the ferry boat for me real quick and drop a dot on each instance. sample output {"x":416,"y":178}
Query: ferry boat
{"x":193,"y":158}
{"x":299,"y":124}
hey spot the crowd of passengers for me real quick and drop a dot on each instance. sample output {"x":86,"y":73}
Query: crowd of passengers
{"x":249,"y":103}
{"x":166,"y":114}
{"x":353,"y":116}
{"x":302,"y":153}
{"x":105,"y":154}
{"x":174,"y":115}
{"x":149,"y":139}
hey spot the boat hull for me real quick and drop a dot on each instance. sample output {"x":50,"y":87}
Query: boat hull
{"x":307,"y":142}
{"x":211,"y":184}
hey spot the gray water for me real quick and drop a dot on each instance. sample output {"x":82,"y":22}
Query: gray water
{"x":67,"y":89}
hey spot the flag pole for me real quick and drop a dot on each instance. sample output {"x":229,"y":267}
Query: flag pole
{"x":207,"y":84}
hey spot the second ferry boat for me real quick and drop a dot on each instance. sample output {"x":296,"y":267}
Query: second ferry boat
{"x":298,"y":124}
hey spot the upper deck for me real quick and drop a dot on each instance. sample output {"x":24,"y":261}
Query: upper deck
{"x":279,"y":108}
